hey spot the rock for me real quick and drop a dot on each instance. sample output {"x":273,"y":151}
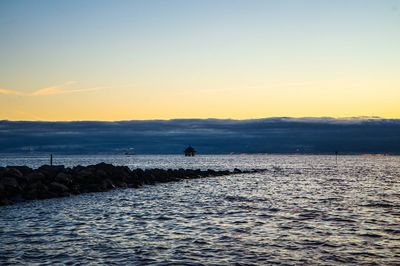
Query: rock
{"x":107,"y":168}
{"x":35,"y":176}
{"x":75,"y":189}
{"x":51,"y":171}
{"x":37,"y":190}
{"x":120,"y":174}
{"x":107,"y":184}
{"x":237,"y":171}
{"x":4,"y":202}
{"x":121,"y":184}
{"x":210,"y":172}
{"x":20,"y":182}
{"x":32,"y":194}
{"x":25,"y":170}
{"x":63,"y":178}
{"x":84,"y":176}
{"x":37,"y":185}
{"x":58,"y":188}
{"x":148,"y":177}
{"x":134,"y":181}
{"x":138,"y":175}
{"x":10,"y":185}
{"x":101,"y":174}
{"x":92,"y":188}
{"x":12,"y":172}
{"x":78,"y":168}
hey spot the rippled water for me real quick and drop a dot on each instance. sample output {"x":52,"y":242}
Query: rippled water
{"x":304,"y":210}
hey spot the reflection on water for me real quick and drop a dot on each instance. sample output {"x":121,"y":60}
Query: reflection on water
{"x":304,"y":210}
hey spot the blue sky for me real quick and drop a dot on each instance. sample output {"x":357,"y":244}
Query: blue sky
{"x":310,"y":58}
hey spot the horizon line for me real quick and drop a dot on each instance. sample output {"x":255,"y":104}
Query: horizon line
{"x":350,"y":118}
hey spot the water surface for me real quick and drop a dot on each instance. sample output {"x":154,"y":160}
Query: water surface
{"x":304,"y":210}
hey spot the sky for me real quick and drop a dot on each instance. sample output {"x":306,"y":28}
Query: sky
{"x":127,"y":60}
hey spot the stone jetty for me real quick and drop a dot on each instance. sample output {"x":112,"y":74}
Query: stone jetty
{"x":22,"y":183}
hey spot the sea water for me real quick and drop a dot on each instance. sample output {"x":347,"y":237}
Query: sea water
{"x":302,"y":210}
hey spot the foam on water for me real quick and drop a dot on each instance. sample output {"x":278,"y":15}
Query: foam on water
{"x":304,"y":210}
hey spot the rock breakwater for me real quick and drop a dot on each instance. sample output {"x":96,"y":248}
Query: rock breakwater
{"x":22,"y":183}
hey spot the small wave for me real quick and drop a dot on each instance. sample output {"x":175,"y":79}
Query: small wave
{"x":164,"y":218}
{"x":370,"y":235}
{"x":339,"y":219}
{"x":380,"y":204}
{"x":392,"y":231}
{"x":238,"y":198}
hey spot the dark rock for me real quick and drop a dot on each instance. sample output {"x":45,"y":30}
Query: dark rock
{"x":92,"y":188}
{"x":12,"y":172}
{"x":78,"y":168}
{"x":85,"y":173}
{"x":10,"y":185}
{"x":51,"y":171}
{"x":20,"y":182}
{"x":148,"y":177}
{"x":58,"y":188}
{"x":37,"y":185}
{"x":120,"y":174}
{"x":107,"y":184}
{"x":25,"y":170}
{"x":237,"y":171}
{"x":107,"y":168}
{"x":75,"y":188}
{"x":32,"y":194}
{"x":36,"y":191}
{"x":133,"y":180}
{"x":63,"y":178}
{"x":4,"y":202}
{"x":210,"y":172}
{"x":121,"y":184}
{"x":84,"y":176}
{"x":35,"y":176}
{"x":101,"y":175}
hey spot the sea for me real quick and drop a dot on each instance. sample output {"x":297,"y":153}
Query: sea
{"x":303,"y":210}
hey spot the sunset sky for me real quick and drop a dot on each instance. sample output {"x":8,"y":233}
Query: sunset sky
{"x":123,"y":60}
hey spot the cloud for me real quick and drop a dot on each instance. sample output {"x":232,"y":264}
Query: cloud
{"x":10,"y":92}
{"x":61,"y":90}
{"x":273,"y":135}
{"x":67,"y":87}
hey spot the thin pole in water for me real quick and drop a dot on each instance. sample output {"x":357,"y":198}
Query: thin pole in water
{"x":336,"y":153}
{"x":51,"y":159}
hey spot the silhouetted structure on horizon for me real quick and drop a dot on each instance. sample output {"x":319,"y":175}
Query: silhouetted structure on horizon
{"x":190,"y":151}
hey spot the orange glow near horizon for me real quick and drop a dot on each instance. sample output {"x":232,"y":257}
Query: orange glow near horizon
{"x":294,"y":100}
{"x":138,"y":60}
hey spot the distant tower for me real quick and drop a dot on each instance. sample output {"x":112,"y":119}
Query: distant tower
{"x":190,"y":151}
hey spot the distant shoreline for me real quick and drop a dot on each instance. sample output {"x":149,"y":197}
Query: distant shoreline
{"x":46,"y":154}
